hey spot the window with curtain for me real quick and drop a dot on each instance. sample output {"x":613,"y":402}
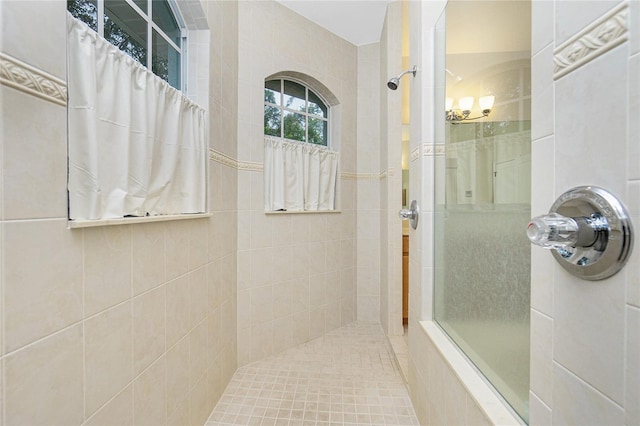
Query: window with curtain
{"x":293,"y":111}
{"x":300,"y":169}
{"x":150,"y":31}
{"x":137,"y":146}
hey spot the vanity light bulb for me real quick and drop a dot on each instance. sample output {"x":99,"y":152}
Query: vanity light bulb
{"x":486,"y":102}
{"x":466,"y":103}
{"x":448,"y":104}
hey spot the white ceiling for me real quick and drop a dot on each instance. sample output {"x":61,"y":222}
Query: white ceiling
{"x":357,"y":21}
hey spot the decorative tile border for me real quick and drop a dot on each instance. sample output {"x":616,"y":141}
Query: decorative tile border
{"x":359,"y":176}
{"x":431,"y":150}
{"x":21,"y":76}
{"x":224,"y":159}
{"x":221,"y":158}
{"x":594,"y":40}
{"x":415,"y":154}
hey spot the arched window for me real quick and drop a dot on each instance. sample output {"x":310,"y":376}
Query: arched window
{"x":294,"y":111}
{"x":150,"y":31}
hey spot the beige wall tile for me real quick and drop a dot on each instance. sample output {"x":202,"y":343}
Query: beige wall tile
{"x":178,"y":366}
{"x":541,"y":364}
{"x":571,"y":136}
{"x":198,"y":240}
{"x":177,"y":248}
{"x":200,"y":405}
{"x":42,"y":280}
{"x":149,"y":328}
{"x":575,"y":402}
{"x":261,"y":340}
{"x":37,"y":191}
{"x":214,"y":336}
{"x":177,"y":305}
{"x":181,"y":415}
{"x":150,"y":395}
{"x":261,"y":304}
{"x":261,"y":230}
{"x":107,"y":267}
{"x":198,"y":354}
{"x":108,"y":355}
{"x":317,"y":326}
{"x":454,"y":400}
{"x":632,"y":370}
{"x":148,"y":256}
{"x":118,"y":411}
{"x":198,"y":301}
{"x":589,"y":320}
{"x":44,"y":381}
{"x":22,"y":36}
{"x":475,"y":416}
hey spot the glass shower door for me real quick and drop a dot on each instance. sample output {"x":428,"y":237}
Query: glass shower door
{"x":482,"y":195}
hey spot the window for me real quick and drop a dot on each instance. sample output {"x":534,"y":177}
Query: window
{"x":150,"y":31}
{"x":293,"y":111}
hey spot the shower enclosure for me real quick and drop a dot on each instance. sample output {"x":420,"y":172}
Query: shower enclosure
{"x":482,"y":180}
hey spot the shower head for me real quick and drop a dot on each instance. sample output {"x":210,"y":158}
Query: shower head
{"x":394,"y":82}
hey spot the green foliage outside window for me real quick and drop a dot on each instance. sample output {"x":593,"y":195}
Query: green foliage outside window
{"x":307,"y":123}
{"x":120,"y":35}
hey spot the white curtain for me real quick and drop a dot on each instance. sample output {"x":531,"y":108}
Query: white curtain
{"x":299,"y":176}
{"x":137,"y":146}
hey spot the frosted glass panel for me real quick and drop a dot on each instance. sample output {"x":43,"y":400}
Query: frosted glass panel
{"x":483,"y":193}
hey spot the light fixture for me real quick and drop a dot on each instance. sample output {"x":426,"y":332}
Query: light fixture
{"x":465,"y":104}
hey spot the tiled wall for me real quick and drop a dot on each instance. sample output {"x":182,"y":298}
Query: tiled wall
{"x":296,"y":272}
{"x":368,"y":233}
{"x":108,"y":325}
{"x":391,"y":167}
{"x":585,"y":356}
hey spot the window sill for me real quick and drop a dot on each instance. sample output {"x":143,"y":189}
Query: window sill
{"x":303,"y":212}
{"x":73,"y":224}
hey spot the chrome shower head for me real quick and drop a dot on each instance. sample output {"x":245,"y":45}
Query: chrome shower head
{"x":394,"y":82}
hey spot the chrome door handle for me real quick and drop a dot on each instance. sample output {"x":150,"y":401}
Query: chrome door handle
{"x":412,"y":213}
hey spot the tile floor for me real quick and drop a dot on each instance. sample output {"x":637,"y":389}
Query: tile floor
{"x":347,"y":377}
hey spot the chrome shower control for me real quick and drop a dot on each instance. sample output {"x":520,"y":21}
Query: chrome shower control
{"x":589,"y":231}
{"x":412,"y":214}
{"x":555,"y":231}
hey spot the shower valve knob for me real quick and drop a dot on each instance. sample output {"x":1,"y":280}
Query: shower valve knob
{"x":554,"y":231}
{"x":589,"y":230}
{"x":406,"y":214}
{"x":412,"y":213}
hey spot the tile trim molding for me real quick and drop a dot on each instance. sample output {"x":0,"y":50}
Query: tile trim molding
{"x":601,"y":36}
{"x":250,"y":166}
{"x":415,"y":154}
{"x":32,"y":81}
{"x":433,"y":150}
{"x":224,"y":159}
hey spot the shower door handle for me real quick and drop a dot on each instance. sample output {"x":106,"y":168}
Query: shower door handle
{"x":412,"y":213}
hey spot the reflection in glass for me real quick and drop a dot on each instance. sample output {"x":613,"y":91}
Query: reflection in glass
{"x":482,"y":197}
{"x":317,"y":131}
{"x":86,"y":11}
{"x":163,"y":17}
{"x":142,"y":4}
{"x":125,"y":29}
{"x":272,"y":120}
{"x":294,"y":126}
{"x":165,"y":61}
{"x":272,"y":92}
{"x":316,"y":106}
{"x":294,"y":96}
